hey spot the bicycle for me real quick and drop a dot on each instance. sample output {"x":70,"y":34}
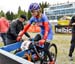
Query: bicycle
{"x":34,"y":55}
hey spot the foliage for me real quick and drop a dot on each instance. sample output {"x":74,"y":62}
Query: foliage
{"x":10,"y":15}
{"x":2,"y":14}
{"x":29,"y":15}
{"x":43,"y":5}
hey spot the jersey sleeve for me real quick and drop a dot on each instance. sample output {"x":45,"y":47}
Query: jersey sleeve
{"x":31,"y":20}
{"x":46,"y":26}
{"x":45,"y":19}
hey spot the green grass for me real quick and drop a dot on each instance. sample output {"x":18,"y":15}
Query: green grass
{"x":1,"y":44}
{"x":63,"y":44}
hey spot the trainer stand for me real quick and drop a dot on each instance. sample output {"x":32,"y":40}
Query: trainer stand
{"x":8,"y":58}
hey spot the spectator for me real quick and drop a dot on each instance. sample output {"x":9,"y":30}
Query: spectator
{"x":72,"y":23}
{"x":4,"y":25}
{"x":14,"y":29}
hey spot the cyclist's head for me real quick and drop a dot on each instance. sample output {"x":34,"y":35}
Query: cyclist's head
{"x":34,"y":8}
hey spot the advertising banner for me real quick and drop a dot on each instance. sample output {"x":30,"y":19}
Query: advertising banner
{"x":63,"y":29}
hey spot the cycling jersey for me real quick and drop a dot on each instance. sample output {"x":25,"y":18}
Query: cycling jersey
{"x":40,"y":22}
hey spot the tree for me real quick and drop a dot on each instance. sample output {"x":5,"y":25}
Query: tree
{"x":10,"y":15}
{"x":20,"y":12}
{"x":29,"y":15}
{"x":2,"y":14}
{"x":43,"y":5}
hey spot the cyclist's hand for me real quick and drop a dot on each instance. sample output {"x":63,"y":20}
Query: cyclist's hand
{"x":20,"y":32}
{"x":41,"y":42}
{"x":18,"y":38}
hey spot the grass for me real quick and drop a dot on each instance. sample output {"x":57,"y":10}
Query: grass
{"x":63,"y":44}
{"x":1,"y":44}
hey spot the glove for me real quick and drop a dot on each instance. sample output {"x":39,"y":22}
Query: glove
{"x":18,"y":38}
{"x":41,"y":42}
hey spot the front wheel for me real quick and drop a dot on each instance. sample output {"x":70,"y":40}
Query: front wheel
{"x":53,"y":54}
{"x":53,"y":51}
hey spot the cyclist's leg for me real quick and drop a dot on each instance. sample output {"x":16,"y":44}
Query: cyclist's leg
{"x":47,"y":51}
{"x":37,"y":37}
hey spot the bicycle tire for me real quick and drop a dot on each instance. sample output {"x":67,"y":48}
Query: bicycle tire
{"x":55,"y":47}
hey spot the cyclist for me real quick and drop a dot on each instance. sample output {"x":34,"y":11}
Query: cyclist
{"x":42,"y":21}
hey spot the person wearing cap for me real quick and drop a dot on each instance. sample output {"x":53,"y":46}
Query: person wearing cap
{"x":14,"y":29}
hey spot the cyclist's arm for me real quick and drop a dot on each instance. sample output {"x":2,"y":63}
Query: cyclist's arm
{"x":24,"y":30}
{"x":46,"y":25}
{"x":26,"y":27}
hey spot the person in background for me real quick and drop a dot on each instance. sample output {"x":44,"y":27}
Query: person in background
{"x":14,"y":29}
{"x":46,"y":30}
{"x":72,"y":24}
{"x":4,"y":26}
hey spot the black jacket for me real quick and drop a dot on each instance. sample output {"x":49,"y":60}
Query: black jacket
{"x":14,"y":29}
{"x":73,"y":26}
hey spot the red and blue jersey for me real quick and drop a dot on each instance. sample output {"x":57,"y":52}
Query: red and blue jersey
{"x":43,"y":23}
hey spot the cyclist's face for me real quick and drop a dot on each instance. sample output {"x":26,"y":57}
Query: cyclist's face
{"x":34,"y":13}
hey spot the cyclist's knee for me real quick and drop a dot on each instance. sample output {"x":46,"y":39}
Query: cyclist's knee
{"x":46,"y":46}
{"x":37,"y":37}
